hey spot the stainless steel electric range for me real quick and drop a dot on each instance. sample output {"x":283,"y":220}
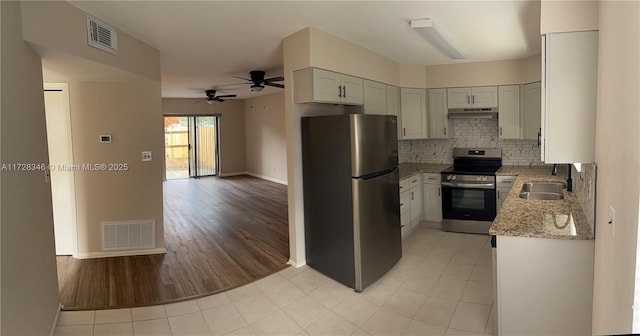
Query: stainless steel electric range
{"x":469,"y":190}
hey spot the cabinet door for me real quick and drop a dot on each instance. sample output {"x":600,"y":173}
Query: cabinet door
{"x":531,"y":112}
{"x":509,"y":112}
{"x":484,"y":96}
{"x":458,"y":97}
{"x":416,"y":206}
{"x":405,"y":224}
{"x":432,"y":202}
{"x":352,"y":90}
{"x":438,"y":121}
{"x":326,"y":86}
{"x":414,"y":113}
{"x":393,"y":105}
{"x":569,"y":95}
{"x":375,"y":98}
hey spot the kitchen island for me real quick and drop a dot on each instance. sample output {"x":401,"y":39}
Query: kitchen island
{"x":543,"y":261}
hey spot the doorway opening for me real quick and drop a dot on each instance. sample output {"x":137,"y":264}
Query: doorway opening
{"x":191,"y":146}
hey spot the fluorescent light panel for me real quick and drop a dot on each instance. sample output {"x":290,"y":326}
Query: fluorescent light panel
{"x":426,"y":29}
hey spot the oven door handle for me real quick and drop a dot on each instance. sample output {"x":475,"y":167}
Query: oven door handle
{"x":469,"y":185}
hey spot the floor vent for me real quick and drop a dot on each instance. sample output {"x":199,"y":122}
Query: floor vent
{"x":102,"y":36}
{"x":130,"y":235}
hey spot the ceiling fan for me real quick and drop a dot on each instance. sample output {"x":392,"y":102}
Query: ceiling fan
{"x":258,"y":82}
{"x":211,"y":97}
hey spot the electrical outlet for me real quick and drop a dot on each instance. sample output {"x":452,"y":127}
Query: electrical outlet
{"x":612,"y":217}
{"x":146,"y":156}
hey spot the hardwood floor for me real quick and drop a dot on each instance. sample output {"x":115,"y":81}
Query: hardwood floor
{"x":220,"y":233}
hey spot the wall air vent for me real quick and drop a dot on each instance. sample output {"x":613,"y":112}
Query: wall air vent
{"x":130,"y":235}
{"x":102,"y":36}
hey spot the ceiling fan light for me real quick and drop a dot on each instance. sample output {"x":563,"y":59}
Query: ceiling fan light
{"x":428,"y":31}
{"x":256,"y":88}
{"x":209,"y":101}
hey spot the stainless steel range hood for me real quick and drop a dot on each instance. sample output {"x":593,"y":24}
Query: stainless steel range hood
{"x":481,"y":113}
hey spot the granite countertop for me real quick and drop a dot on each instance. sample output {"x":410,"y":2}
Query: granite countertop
{"x":409,"y":169}
{"x":540,"y":219}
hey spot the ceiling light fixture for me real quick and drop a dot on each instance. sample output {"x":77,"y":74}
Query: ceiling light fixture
{"x":426,"y":29}
{"x":256,"y":87}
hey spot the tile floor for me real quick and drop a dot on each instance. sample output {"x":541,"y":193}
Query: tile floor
{"x":441,"y":286}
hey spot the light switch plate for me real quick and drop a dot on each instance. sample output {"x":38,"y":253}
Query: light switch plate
{"x":146,"y":156}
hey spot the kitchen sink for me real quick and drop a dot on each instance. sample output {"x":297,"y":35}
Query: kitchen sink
{"x":543,"y":190}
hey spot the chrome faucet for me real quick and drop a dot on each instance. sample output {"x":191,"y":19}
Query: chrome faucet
{"x":554,"y":170}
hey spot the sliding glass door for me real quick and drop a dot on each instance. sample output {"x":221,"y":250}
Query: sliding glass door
{"x":191,"y":146}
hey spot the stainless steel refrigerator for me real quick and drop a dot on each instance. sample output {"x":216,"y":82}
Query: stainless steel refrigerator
{"x":351,"y":198}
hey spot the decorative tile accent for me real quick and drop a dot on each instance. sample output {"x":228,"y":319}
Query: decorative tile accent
{"x":471,"y":133}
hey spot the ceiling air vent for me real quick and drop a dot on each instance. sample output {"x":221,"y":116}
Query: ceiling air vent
{"x":102,"y":36}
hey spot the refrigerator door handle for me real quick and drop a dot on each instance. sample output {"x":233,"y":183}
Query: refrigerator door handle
{"x":377,"y":174}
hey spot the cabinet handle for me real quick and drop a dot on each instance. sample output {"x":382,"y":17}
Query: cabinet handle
{"x":412,"y":195}
{"x":431,"y":178}
{"x":340,"y":91}
{"x":468,"y":100}
{"x":445,"y":131}
{"x":473,"y":99}
{"x":401,"y":204}
{"x":539,"y":135}
{"x":498,"y":194}
{"x":404,"y":131}
{"x":500,"y":130}
{"x":344,"y":91}
{"x":414,"y":181}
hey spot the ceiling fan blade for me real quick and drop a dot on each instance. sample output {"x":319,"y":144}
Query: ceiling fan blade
{"x":200,"y":100}
{"x":234,"y":84}
{"x":218,"y":99}
{"x":274,"y":79}
{"x":241,"y":78}
{"x":227,"y":96}
{"x":275,"y":85}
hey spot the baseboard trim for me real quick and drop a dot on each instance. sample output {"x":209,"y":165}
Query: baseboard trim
{"x":55,"y":320}
{"x":296,"y":265}
{"x":232,"y":174}
{"x":271,"y":179}
{"x":124,"y":253}
{"x":263,"y":177}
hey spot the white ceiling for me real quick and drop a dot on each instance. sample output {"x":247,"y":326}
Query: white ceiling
{"x":203,"y":43}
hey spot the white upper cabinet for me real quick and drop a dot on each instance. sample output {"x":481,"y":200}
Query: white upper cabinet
{"x":509,"y":112}
{"x":375,"y":97}
{"x":413,"y":103}
{"x":438,"y":122}
{"x":531,"y":111}
{"x":393,"y":100}
{"x":473,"y":97}
{"x":314,"y":85}
{"x":569,"y":90}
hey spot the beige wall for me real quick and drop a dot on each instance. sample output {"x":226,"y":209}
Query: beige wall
{"x":232,"y":133}
{"x":59,"y":26}
{"x":412,"y":76}
{"x":566,"y":16}
{"x":332,"y":53}
{"x":131,"y":113}
{"x":618,"y":160}
{"x":29,"y":288}
{"x":484,"y":73}
{"x":266,"y":143}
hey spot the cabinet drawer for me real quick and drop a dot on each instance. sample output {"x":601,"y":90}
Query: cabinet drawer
{"x":415,"y":181}
{"x":405,"y":202}
{"x":431,"y":178}
{"x":505,"y":181}
{"x":404,"y":185}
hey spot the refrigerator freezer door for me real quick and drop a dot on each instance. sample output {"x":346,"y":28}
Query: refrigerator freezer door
{"x":376,"y":227}
{"x":374,"y":143}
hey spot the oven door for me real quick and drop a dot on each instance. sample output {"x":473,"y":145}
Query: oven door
{"x":468,"y":203}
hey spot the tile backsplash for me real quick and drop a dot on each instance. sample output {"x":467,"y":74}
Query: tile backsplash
{"x":471,"y":133}
{"x":584,"y":185}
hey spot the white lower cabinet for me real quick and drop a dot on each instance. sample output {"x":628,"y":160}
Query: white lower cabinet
{"x":432,"y":197}
{"x":544,"y":286}
{"x":503,"y":187}
{"x":410,"y":203}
